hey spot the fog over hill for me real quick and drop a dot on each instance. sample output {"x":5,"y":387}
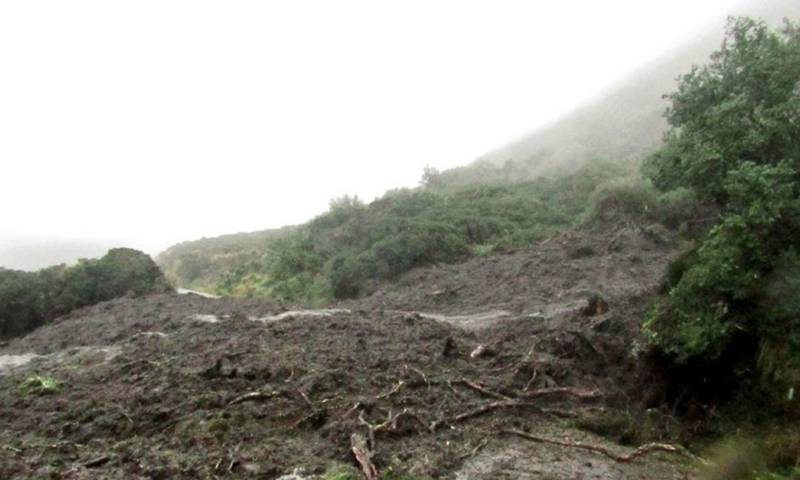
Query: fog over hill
{"x":627,"y":121}
{"x":35,"y":253}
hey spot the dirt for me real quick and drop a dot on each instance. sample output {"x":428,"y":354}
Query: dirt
{"x":182,"y":386}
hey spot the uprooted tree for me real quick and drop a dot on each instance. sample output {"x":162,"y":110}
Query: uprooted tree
{"x":735,"y":140}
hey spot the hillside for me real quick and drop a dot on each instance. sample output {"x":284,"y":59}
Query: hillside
{"x":553,"y":175}
{"x":346,"y":251}
{"x":201,"y":264}
{"x":626,"y":123}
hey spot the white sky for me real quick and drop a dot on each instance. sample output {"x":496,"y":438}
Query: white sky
{"x":161,"y":121}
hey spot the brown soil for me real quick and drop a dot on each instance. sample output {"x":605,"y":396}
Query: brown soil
{"x":179,"y":386}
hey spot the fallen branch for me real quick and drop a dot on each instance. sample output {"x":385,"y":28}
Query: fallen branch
{"x":475,"y":450}
{"x":639,"y":452}
{"x":420,"y":373}
{"x":483,"y":390}
{"x":96,"y":462}
{"x":305,"y":398}
{"x":363,"y":456}
{"x":489,"y":407}
{"x":392,"y":391}
{"x":573,"y":392}
{"x":254,"y":396}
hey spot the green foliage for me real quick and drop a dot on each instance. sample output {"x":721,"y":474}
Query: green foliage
{"x":201,"y":264}
{"x":734,"y":141}
{"x":40,"y":385}
{"x":31,"y":299}
{"x":743,"y":106}
{"x":344,"y":252}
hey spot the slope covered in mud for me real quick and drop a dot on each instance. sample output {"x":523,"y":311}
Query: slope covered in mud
{"x":433,"y":374}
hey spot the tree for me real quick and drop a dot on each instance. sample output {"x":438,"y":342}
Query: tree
{"x":735,"y":140}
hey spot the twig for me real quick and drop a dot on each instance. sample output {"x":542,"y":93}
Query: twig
{"x":532,"y":379}
{"x":305,"y":398}
{"x":483,"y":390}
{"x":420,"y":373}
{"x":97,"y":462}
{"x":638,"y":452}
{"x":475,"y":450}
{"x":392,"y":391}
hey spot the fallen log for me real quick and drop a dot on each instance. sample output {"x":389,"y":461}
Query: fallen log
{"x":627,"y":458}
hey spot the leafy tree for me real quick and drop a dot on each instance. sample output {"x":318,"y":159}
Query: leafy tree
{"x":31,"y":299}
{"x":735,"y":140}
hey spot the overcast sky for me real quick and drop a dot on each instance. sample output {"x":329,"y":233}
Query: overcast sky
{"x":159,"y":121}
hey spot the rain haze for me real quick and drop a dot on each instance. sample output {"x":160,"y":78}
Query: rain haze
{"x":150,"y":123}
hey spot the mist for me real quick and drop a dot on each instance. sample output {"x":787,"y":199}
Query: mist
{"x":158,"y":122}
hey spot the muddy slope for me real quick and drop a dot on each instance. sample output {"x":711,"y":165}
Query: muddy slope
{"x":179,"y":386}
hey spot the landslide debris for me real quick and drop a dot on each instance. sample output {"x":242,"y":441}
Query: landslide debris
{"x":150,"y":388}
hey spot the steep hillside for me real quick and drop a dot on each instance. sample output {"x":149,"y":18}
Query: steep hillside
{"x":626,"y":123}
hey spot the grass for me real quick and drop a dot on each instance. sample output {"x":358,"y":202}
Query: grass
{"x":40,"y":385}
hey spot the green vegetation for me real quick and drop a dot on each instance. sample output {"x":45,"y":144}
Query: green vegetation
{"x":344,"y":252}
{"x":31,"y":299}
{"x":200,"y":264}
{"x":731,"y":306}
{"x":39,"y":385}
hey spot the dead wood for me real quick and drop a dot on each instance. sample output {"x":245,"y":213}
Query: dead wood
{"x":479,"y":388}
{"x":363,"y":456}
{"x":391,"y":392}
{"x":254,"y":396}
{"x":572,"y":392}
{"x":638,"y":452}
{"x":486,"y":408}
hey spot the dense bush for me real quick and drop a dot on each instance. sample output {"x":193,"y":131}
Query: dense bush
{"x":342,"y":253}
{"x":200,"y":264}
{"x":31,"y":299}
{"x":735,"y":141}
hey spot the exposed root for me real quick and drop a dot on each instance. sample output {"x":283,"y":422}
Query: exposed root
{"x":639,"y":452}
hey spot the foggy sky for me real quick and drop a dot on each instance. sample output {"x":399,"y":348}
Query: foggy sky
{"x":160,"y":121}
